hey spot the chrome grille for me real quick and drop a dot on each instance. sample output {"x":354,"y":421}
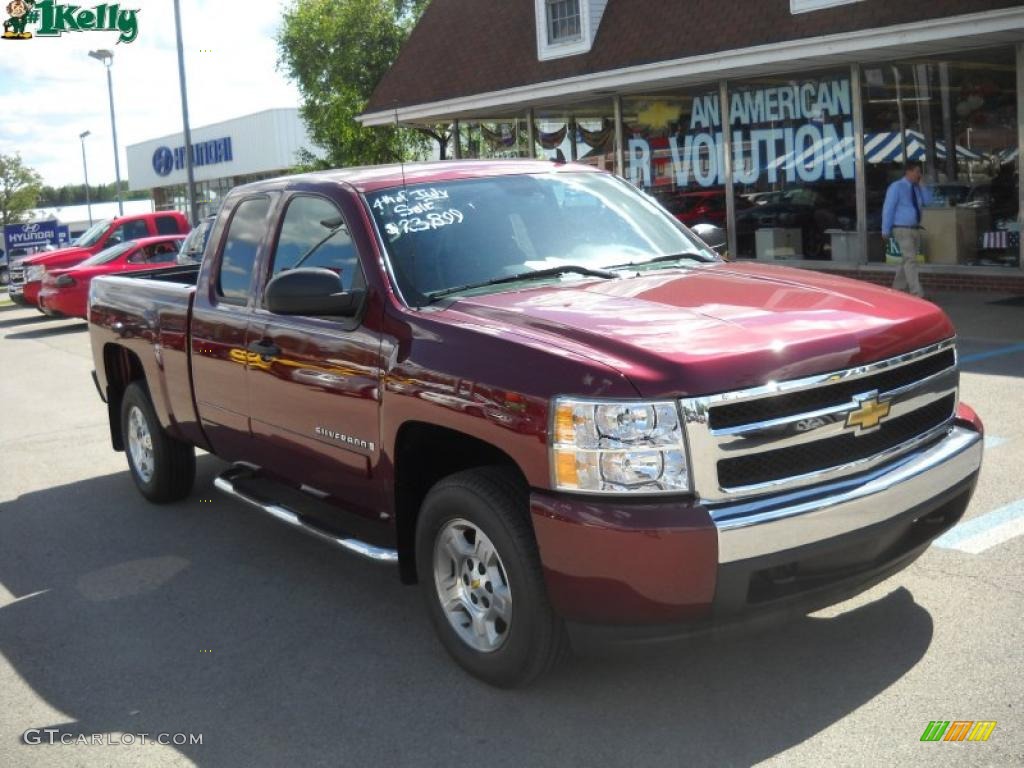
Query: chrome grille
{"x":17,"y":275}
{"x":799,"y":433}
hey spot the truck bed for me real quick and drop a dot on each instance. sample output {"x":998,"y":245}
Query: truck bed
{"x":148,"y":314}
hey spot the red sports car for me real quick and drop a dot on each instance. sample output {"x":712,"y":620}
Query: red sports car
{"x":66,"y":291}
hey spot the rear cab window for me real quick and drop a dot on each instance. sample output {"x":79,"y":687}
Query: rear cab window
{"x":130,"y":230}
{"x":241,"y":245}
{"x":167,"y":225}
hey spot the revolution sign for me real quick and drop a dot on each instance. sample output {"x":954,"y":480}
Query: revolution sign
{"x":793,"y":132}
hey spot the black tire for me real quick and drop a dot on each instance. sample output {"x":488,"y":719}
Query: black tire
{"x":495,"y":502}
{"x":173,"y":470}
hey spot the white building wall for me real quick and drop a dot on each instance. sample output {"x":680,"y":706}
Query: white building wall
{"x":261,"y":142}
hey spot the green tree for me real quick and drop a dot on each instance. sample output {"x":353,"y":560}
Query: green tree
{"x":336,"y":51}
{"x":19,"y":188}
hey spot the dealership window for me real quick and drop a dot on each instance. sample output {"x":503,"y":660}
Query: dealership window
{"x":583,"y":133}
{"x":957,"y":115}
{"x":563,"y":21}
{"x":794,"y":166}
{"x":674,"y":152}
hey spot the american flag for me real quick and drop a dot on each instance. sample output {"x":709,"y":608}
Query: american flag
{"x":1000,"y":239}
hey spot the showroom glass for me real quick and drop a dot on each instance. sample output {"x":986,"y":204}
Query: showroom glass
{"x":314,"y":231}
{"x":584,"y":133}
{"x":247,"y":228}
{"x":107,"y":255}
{"x":442,"y":235}
{"x":673,"y":152}
{"x":794,"y":166}
{"x":92,"y":235}
{"x":967,"y":102}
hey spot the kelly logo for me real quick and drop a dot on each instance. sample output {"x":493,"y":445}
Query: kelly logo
{"x":54,"y":19}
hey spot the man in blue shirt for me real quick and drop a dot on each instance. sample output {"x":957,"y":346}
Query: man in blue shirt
{"x":901,"y":218}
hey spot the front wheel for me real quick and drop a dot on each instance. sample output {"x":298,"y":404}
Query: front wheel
{"x":480,"y":573}
{"x":163,"y":468}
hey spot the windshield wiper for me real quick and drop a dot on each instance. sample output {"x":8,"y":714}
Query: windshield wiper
{"x":692,"y":255}
{"x":565,"y":269}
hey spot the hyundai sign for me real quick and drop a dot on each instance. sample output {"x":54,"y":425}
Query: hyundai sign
{"x":33,"y":234}
{"x":210,"y":152}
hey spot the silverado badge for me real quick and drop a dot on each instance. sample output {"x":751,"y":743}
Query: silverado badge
{"x":869,"y":414}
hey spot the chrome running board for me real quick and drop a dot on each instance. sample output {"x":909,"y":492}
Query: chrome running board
{"x":226,"y":484}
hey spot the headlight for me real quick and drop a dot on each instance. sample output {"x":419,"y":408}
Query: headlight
{"x":618,"y":447}
{"x":34,"y":272}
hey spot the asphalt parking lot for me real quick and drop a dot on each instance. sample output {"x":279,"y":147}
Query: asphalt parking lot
{"x":119,"y":617}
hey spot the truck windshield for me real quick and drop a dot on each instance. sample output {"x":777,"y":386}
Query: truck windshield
{"x":471,"y":232}
{"x":93,"y":233}
{"x":108,"y":254}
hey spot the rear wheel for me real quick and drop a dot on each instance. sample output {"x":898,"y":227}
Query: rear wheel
{"x":480,"y":573}
{"x":163,"y":468}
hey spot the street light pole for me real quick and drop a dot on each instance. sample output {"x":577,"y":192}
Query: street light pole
{"x":190,"y":176}
{"x":85,"y":168}
{"x":107,"y":57}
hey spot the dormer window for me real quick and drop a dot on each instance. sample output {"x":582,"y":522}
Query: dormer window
{"x":564,"y":24}
{"x":567,"y":27}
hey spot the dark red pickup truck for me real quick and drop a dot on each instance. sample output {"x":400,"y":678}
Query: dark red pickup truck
{"x":544,"y":399}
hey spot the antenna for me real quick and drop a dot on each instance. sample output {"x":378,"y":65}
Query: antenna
{"x":401,"y":153}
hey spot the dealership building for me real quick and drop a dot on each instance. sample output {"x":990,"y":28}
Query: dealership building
{"x":225,"y":154}
{"x":782,"y":121}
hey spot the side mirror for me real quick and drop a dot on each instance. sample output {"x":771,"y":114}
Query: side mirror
{"x":713,"y":237}
{"x":310,"y":291}
{"x":112,"y":240}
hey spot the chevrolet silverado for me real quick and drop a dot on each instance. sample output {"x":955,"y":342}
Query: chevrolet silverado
{"x":543,"y":399}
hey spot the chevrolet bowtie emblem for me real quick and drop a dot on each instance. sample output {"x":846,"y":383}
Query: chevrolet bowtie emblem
{"x":870,"y":413}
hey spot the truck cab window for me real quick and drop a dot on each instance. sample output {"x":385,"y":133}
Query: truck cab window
{"x":313,"y":234}
{"x":130,"y":230}
{"x":248,"y":225}
{"x":167,"y":225}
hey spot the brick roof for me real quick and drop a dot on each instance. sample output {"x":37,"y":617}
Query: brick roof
{"x":466,"y":47}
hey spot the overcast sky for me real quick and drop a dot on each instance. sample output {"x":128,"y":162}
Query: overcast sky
{"x":51,"y":91}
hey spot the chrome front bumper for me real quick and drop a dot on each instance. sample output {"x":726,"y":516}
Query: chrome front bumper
{"x":761,"y":527}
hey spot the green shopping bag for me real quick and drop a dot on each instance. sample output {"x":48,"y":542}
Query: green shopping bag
{"x":894,"y":254}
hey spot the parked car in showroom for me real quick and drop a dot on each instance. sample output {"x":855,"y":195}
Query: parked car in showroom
{"x":703,"y":207}
{"x":27,"y":277}
{"x":65,"y":292}
{"x":812,"y":210}
{"x":530,"y":389}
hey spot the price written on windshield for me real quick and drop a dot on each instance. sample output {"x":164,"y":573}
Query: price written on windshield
{"x":431,"y":220}
{"x":417,"y":210}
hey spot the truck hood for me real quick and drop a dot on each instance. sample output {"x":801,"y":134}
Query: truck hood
{"x":715,"y":327}
{"x":65,"y":257}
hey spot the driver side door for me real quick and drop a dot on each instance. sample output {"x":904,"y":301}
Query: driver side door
{"x":314,"y":381}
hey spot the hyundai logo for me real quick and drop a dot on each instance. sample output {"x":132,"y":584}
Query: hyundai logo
{"x":30,"y":228}
{"x":163,"y":161}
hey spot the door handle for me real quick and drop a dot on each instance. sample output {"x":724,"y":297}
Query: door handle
{"x":265,"y":349}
